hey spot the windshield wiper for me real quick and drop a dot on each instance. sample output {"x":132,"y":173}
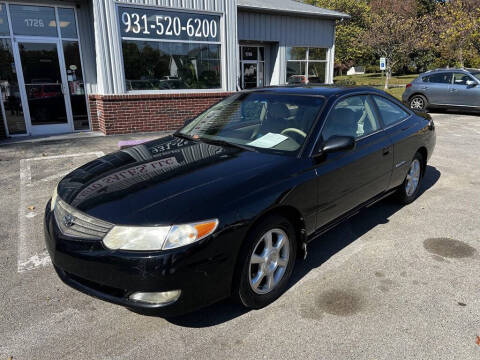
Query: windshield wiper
{"x":226,"y":143}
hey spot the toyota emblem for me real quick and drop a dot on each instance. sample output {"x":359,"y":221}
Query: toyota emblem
{"x":68,"y":220}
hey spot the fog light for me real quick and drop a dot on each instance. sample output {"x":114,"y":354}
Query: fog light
{"x":156,"y":298}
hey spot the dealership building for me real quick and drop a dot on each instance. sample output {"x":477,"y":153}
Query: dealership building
{"x":122,"y":66}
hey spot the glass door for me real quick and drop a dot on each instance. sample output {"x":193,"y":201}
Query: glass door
{"x":44,"y":86}
{"x":250,"y":72}
{"x":252,"y":66}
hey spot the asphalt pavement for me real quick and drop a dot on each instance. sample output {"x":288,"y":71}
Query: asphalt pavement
{"x":394,"y":282}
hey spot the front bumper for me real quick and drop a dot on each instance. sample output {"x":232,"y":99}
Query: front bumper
{"x":202,"y":271}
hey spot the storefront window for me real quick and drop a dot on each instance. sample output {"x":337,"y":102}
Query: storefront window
{"x":306,"y":65}
{"x":76,"y":86}
{"x":4,"y":30}
{"x":33,"y":20}
{"x":9,"y":90}
{"x":165,"y":65}
{"x":68,"y":25}
{"x":166,"y":50}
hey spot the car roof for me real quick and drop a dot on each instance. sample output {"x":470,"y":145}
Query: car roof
{"x":465,"y":70}
{"x":323,"y":90}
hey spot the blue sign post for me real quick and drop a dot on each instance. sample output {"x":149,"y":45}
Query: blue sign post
{"x":383,"y":64}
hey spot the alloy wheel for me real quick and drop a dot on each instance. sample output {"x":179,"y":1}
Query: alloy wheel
{"x":417,"y":103}
{"x":269,"y":261}
{"x":413,"y":177}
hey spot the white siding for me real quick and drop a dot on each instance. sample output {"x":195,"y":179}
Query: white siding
{"x":285,"y":31}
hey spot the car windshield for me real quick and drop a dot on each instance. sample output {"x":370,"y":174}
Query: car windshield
{"x":476,"y":74}
{"x":260,"y":121}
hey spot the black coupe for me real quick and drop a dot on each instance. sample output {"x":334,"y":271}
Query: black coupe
{"x":224,"y":206}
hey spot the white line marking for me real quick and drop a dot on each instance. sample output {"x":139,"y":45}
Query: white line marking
{"x":37,"y":260}
{"x":25,"y":178}
{"x":24,"y":261}
{"x":97,"y":153}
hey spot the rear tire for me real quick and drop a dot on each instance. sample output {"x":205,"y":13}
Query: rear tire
{"x":266,"y":262}
{"x":418,"y":103}
{"x":408,"y":191}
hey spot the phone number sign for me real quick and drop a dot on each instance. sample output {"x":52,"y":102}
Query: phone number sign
{"x":168,"y":25}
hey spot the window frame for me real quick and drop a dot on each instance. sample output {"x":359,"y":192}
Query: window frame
{"x":221,"y":43}
{"x":307,"y":61}
{"x":318,"y":137}
{"x":439,"y":73}
{"x":375,"y":114}
{"x":60,"y":38}
{"x":377,"y":109}
{"x":464,"y":74}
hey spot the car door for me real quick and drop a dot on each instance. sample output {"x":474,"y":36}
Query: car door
{"x":347,"y":179}
{"x":436,"y":88}
{"x":463,"y":92}
{"x":399,"y":126}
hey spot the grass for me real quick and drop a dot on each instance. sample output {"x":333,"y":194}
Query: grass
{"x":378,"y":81}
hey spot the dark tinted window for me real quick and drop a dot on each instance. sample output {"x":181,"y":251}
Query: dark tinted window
{"x":267,"y":121}
{"x":390,"y":112}
{"x":4,"y":30}
{"x":353,"y":116}
{"x":33,"y":20}
{"x":151,"y":65}
{"x":440,"y":78}
{"x":68,"y":25}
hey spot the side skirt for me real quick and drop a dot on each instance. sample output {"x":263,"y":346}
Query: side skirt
{"x":348,"y":215}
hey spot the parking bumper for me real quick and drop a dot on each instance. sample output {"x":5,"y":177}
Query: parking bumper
{"x":202,"y":274}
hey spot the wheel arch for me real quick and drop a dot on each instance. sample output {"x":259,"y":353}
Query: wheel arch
{"x":290,"y":213}
{"x":424,"y":152}
{"x":418,"y":94}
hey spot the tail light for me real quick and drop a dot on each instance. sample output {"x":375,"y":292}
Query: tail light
{"x":408,"y":85}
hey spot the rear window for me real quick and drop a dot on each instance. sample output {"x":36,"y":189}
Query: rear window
{"x":390,"y":112}
{"x":440,"y":78}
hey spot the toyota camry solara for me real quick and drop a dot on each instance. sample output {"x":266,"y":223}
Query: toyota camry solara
{"x":224,"y":206}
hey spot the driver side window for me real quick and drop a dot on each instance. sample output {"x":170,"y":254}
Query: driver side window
{"x":353,"y":116}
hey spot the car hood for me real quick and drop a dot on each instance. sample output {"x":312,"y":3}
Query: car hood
{"x":161,"y":181}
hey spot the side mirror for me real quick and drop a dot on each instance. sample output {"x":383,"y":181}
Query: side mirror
{"x":337,"y":143}
{"x":471,"y":84}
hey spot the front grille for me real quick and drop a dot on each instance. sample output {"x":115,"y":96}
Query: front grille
{"x":78,"y":225}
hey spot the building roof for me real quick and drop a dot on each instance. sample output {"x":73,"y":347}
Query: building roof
{"x":290,"y":7}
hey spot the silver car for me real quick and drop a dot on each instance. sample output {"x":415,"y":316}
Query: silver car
{"x":444,"y":88}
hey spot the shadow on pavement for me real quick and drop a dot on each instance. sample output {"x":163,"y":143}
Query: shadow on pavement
{"x":319,"y":252}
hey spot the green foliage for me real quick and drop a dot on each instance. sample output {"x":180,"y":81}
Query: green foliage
{"x":414,"y":35}
{"x":344,"y":82}
{"x":349,"y":50}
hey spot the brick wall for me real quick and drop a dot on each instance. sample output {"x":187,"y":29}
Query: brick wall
{"x":122,"y":114}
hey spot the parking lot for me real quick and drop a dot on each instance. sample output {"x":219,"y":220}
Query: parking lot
{"x":391,"y":283}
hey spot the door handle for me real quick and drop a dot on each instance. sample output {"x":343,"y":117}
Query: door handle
{"x":386,"y":151}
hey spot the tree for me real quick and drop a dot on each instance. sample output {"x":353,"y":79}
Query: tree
{"x":392,"y":36}
{"x":349,"y":48}
{"x":455,"y":28}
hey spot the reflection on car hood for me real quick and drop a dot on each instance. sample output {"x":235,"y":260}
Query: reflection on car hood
{"x":157,"y":182}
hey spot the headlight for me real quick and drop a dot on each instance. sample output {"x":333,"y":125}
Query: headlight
{"x":159,"y":237}
{"x":54,"y":199}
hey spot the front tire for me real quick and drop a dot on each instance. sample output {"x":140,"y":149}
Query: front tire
{"x":418,"y":103}
{"x":410,"y":188}
{"x":266,"y":262}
